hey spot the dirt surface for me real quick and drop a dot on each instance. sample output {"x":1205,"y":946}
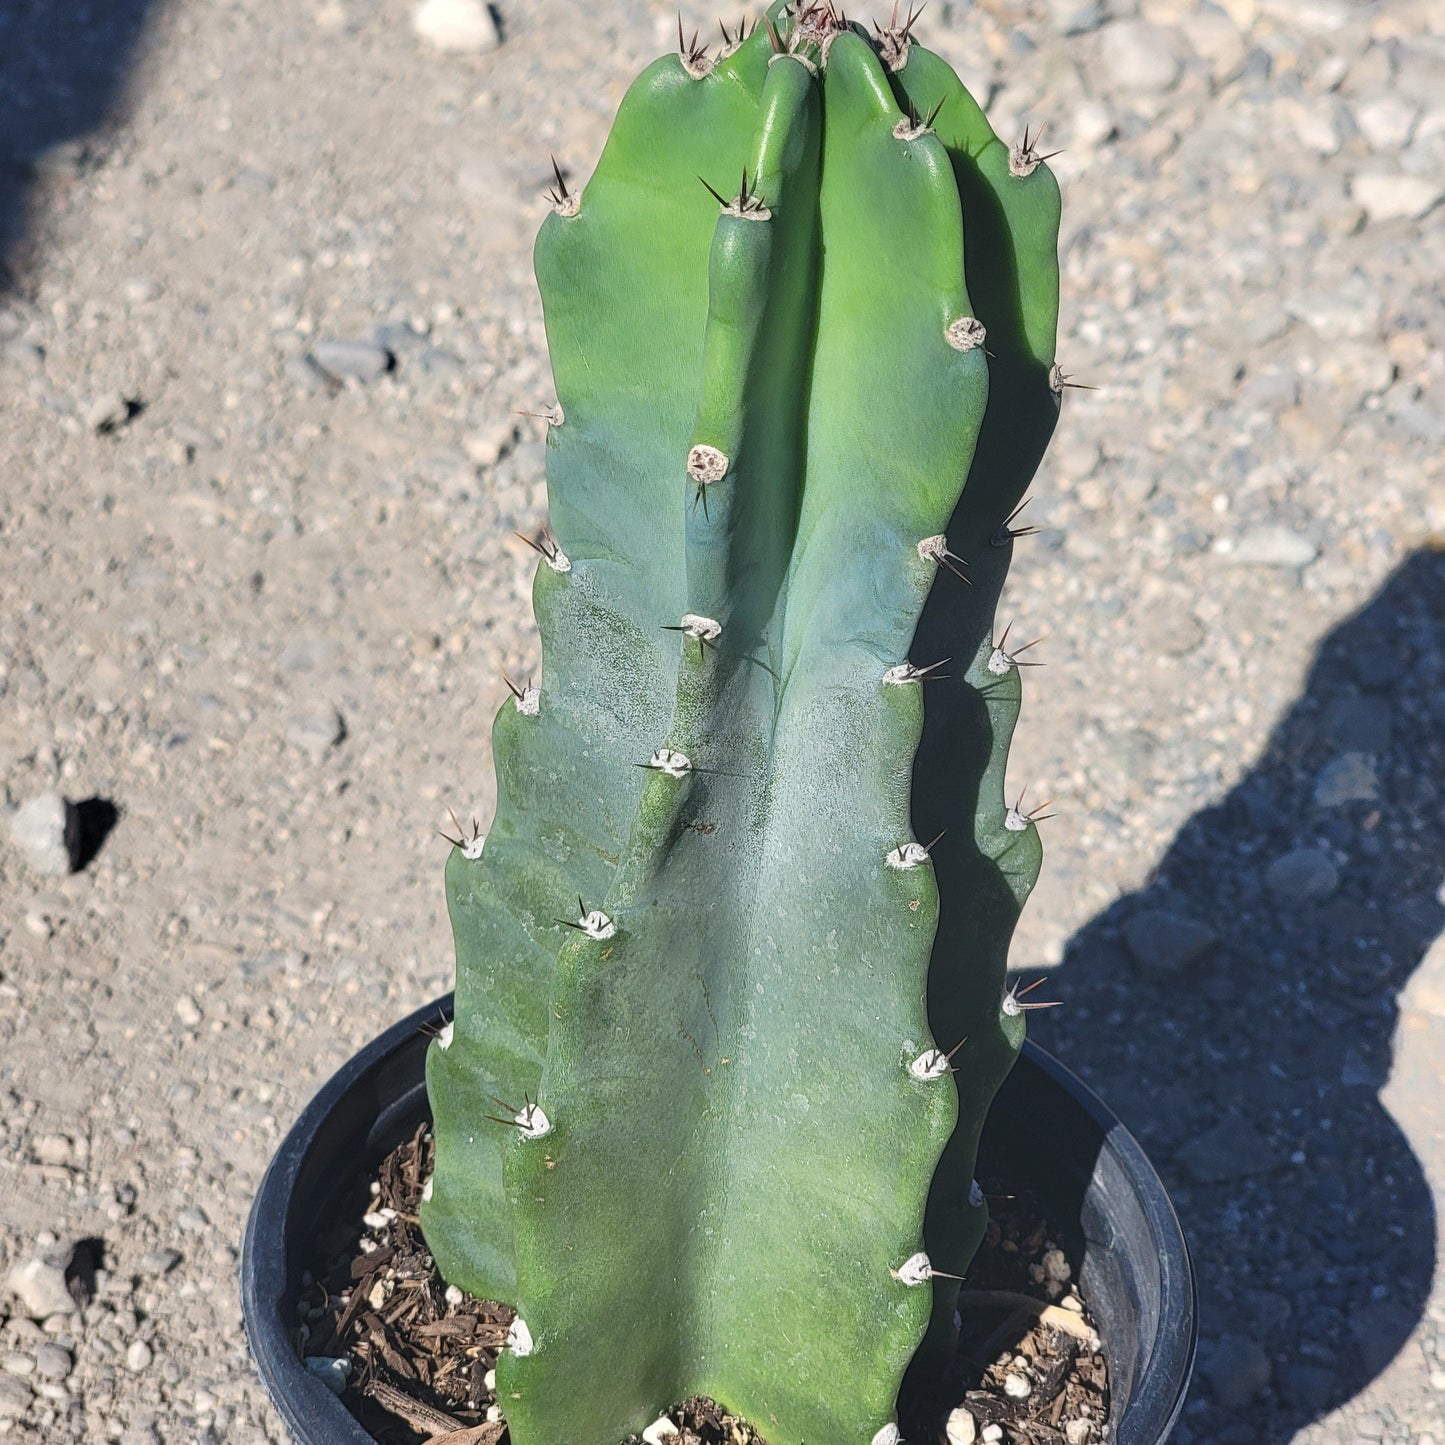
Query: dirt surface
{"x":255,"y":620}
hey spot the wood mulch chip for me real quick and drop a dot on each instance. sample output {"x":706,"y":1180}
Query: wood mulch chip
{"x":422,"y":1354}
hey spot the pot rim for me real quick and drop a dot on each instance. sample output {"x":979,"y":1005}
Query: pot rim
{"x":316,"y":1416}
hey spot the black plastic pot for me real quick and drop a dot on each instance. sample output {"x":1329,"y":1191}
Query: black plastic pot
{"x":1046,"y":1131}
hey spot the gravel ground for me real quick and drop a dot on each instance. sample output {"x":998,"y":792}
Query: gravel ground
{"x":257,"y":616}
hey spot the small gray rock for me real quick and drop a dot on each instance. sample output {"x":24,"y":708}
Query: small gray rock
{"x":1237,"y":1370}
{"x":193,"y":1219}
{"x":1137,"y":56}
{"x":1350,"y":778}
{"x":109,"y":413}
{"x":159,"y":1261}
{"x":333,"y":1373}
{"x":39,"y":1284}
{"x":359,"y":361}
{"x":1164,"y":942}
{"x":1304,"y":875}
{"x":317,"y":733}
{"x":1270,"y":546}
{"x":15,"y":1397}
{"x":1232,"y":1149}
{"x":52,"y":1361}
{"x":47,"y":831}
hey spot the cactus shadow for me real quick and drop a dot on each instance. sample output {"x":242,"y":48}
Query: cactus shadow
{"x":1252,"y":1075}
{"x":63,"y":69}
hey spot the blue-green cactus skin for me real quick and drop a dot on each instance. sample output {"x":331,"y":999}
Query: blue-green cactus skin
{"x":732,"y":1170}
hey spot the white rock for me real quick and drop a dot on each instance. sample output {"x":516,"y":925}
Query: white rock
{"x":1268,"y":547}
{"x":47,"y":832}
{"x":1350,"y":778}
{"x":457,"y":27}
{"x":138,"y":1357}
{"x":487,"y":447}
{"x":661,"y":1429}
{"x":1387,"y":122}
{"x":1137,"y":56}
{"x":188,"y":1011}
{"x":960,"y":1427}
{"x":39,"y":1285}
{"x":108,"y":413}
{"x":1387,"y":197}
{"x":332,"y":1372}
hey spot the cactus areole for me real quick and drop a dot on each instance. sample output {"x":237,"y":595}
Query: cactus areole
{"x":734,"y":944}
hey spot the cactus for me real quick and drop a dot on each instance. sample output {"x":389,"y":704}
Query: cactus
{"x":710,"y":1133}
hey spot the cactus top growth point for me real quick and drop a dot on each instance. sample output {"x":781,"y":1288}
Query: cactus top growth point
{"x":731,"y":998}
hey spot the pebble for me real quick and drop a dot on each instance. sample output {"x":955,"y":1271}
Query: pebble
{"x":1076,"y":1432}
{"x":1137,"y":56}
{"x":1389,"y":197}
{"x":109,"y":413}
{"x":52,"y":1361}
{"x":17,"y":1362}
{"x":960,"y":1428}
{"x":1232,"y":1149}
{"x":39,"y":1284}
{"x":1267,"y":546}
{"x":46,"y":829}
{"x":188,"y":1011}
{"x":1348,"y":779}
{"x":159,"y":1261}
{"x":317,"y":733}
{"x":1303,"y":875}
{"x":15,"y":1397}
{"x":358,"y":361}
{"x":1160,"y":941}
{"x":486,"y":448}
{"x":1387,"y":122}
{"x":332,"y":1372}
{"x":138,"y":1357}
{"x":457,"y":27}
{"x":1237,"y":1370}
{"x":193,"y":1219}
{"x":1016,"y":1387}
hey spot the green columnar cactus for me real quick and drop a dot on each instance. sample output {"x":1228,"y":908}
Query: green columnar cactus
{"x":744,"y":1083}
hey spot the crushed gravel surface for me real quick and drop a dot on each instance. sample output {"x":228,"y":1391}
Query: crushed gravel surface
{"x":266,"y":318}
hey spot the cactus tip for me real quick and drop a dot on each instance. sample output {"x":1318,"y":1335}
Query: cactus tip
{"x":1059,"y":379}
{"x":1001,"y":660}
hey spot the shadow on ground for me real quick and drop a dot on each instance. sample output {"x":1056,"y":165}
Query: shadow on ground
{"x":1251,"y":1072}
{"x":63,"y":66}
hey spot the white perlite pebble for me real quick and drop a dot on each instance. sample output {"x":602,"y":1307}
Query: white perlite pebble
{"x":138,"y":1357}
{"x":1396,"y":198}
{"x":661,"y":1429}
{"x":188,"y":1011}
{"x":47,"y":832}
{"x":457,"y":27}
{"x":1016,"y":1387}
{"x":960,"y":1428}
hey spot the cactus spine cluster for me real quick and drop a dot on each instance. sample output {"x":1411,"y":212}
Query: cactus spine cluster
{"x":744,"y":1080}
